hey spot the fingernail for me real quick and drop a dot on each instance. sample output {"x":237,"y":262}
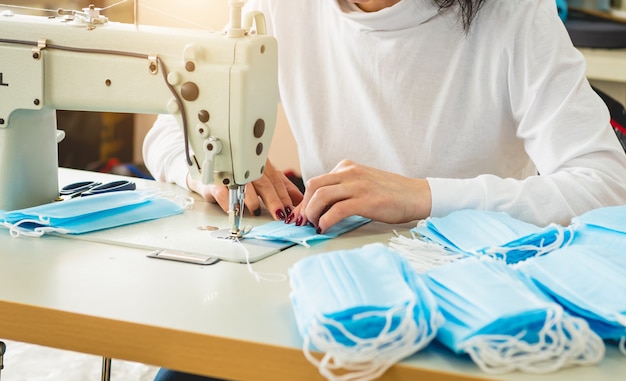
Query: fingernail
{"x":257,"y":212}
{"x":280,"y":214}
{"x":288,"y":211}
{"x":290,"y":218}
{"x":299,"y":220}
{"x":318,"y":230}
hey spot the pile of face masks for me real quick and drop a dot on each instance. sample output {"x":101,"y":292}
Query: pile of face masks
{"x":589,"y":282}
{"x":86,"y":214}
{"x":478,"y":233}
{"x":504,"y":322}
{"x":364,"y":308}
{"x":513,"y":296}
{"x":588,"y":277}
{"x":498,"y":235}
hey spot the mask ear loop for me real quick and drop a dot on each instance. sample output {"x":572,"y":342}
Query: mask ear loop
{"x":563,"y":340}
{"x":367,"y":359}
{"x":15,"y":230}
{"x":267,"y":277}
{"x":184,"y":201}
{"x":562,"y":239}
{"x":422,"y":255}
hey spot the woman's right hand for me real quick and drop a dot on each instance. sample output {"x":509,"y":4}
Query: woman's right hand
{"x":277,"y":193}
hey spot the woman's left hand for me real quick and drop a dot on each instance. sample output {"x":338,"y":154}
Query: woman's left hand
{"x":354,"y":189}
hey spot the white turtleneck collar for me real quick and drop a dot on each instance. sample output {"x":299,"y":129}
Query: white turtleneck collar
{"x":404,"y":14}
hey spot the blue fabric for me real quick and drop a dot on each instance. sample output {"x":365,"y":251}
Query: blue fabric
{"x":485,"y":297}
{"x":86,"y":214}
{"x":303,"y":235}
{"x":588,"y":281}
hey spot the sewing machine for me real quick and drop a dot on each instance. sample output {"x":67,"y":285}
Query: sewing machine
{"x":221,"y":87}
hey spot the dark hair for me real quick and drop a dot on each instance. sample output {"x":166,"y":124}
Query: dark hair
{"x":467,"y":9}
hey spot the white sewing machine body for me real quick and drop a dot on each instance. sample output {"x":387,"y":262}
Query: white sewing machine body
{"x":222,"y":88}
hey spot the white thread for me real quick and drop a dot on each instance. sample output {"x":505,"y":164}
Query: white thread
{"x":421,"y":254}
{"x":268,"y":277}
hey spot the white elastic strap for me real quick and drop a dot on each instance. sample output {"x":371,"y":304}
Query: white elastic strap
{"x":559,"y":241}
{"x":422,"y":255}
{"x":15,"y":230}
{"x":367,"y":359}
{"x":184,"y":201}
{"x":563,"y":341}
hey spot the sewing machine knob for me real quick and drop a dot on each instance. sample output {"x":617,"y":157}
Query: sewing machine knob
{"x":173,"y":78}
{"x":190,"y":91}
{"x":259,"y":128}
{"x":204,"y":116}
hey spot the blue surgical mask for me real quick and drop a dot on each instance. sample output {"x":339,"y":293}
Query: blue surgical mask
{"x":498,"y":235}
{"x":364,"y":308}
{"x":87,"y":214}
{"x":589,"y":282}
{"x":303,"y":235}
{"x":504,"y":322}
{"x":602,"y":226}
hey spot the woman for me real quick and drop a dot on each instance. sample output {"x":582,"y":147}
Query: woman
{"x":404,"y":109}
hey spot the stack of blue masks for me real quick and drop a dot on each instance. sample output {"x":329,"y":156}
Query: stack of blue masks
{"x":303,"y":235}
{"x":86,"y":214}
{"x":498,"y":317}
{"x":498,"y":235}
{"x":589,"y":282}
{"x":364,"y":308}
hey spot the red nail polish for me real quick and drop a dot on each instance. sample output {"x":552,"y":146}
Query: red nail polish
{"x":288,"y":211}
{"x":318,"y":230}
{"x":299,"y":220}
{"x":290,"y":218}
{"x":280,"y":214}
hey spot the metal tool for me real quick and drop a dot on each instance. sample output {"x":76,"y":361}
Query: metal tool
{"x":89,"y":188}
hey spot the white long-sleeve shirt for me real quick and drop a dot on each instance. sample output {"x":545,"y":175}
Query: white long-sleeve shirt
{"x":406,"y":90}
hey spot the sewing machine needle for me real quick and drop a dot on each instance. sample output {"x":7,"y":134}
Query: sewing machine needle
{"x":236,"y":195}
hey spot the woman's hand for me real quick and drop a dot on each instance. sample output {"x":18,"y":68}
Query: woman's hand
{"x":278,"y":193}
{"x":353,"y":189}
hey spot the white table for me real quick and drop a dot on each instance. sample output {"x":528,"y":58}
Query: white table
{"x":218,"y":320}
